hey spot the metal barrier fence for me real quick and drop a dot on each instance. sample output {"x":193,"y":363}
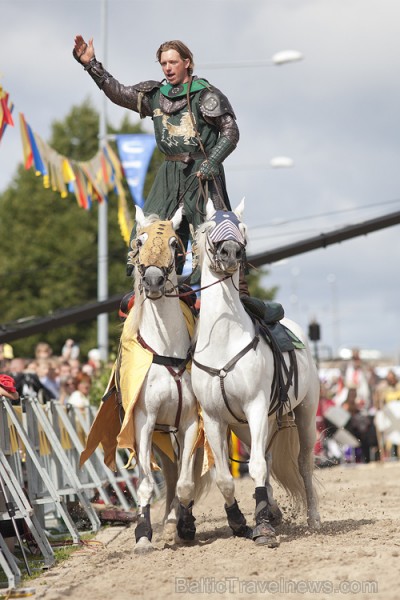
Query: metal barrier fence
{"x":41,"y":484}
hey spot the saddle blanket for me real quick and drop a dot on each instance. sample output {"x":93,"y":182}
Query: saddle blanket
{"x":107,"y":431}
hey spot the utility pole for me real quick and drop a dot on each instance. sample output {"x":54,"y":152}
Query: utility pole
{"x":102,"y":248}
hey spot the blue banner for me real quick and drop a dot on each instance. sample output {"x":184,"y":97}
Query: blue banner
{"x":135,"y":151}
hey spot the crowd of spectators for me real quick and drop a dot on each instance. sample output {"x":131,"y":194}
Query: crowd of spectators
{"x":354,"y":416}
{"x":357,"y":410}
{"x":66,"y":378}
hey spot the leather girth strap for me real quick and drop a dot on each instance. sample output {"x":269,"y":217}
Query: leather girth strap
{"x":169,"y":362}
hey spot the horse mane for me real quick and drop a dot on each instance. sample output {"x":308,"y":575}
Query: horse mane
{"x":132,"y":322}
{"x":200,"y":237}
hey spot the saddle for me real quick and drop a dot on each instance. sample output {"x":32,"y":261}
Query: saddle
{"x":280,"y":339}
{"x":268,"y":315}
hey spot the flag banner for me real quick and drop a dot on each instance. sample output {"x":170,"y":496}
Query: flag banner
{"x":6,"y":109}
{"x":26,"y":145}
{"x":88,"y":180}
{"x":135,"y":151}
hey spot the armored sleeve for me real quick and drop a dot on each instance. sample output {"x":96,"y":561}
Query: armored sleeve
{"x":134,"y":97}
{"x":217,"y":110}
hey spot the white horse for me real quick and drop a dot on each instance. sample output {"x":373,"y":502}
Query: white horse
{"x":155,"y":348}
{"x":166,"y":401}
{"x":234,"y":378}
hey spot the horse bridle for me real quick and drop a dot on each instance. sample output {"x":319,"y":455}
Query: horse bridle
{"x":226,"y":228}
{"x":134,"y":256}
{"x":169,"y":362}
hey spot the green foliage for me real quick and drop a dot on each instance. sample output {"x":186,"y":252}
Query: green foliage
{"x":255,"y":287}
{"x":48,"y":245}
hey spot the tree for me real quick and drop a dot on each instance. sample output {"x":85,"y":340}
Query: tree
{"x":48,"y":245}
{"x":255,"y":287}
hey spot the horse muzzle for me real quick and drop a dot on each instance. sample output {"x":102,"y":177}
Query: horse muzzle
{"x":153,"y":282}
{"x":229,"y":256}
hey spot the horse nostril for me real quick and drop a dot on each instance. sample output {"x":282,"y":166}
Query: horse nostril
{"x":160,"y":281}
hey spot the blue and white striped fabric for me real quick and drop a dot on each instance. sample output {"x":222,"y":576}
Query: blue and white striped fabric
{"x":226,"y":228}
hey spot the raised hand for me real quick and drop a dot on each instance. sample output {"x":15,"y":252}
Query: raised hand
{"x":83,"y":52}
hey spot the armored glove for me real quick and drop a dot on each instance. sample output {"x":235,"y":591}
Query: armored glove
{"x":210,"y":168}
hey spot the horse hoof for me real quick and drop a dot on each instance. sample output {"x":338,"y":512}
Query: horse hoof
{"x":186,"y":535}
{"x":272,"y":541}
{"x":314,"y":524}
{"x":169,"y":532}
{"x":143,"y":546}
{"x":244,"y":532}
{"x":264,"y":535}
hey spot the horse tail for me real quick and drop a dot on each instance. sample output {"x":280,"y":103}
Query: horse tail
{"x":284,"y":448}
{"x":202,"y":482}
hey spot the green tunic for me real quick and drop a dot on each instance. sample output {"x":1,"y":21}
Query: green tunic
{"x":176,"y":181}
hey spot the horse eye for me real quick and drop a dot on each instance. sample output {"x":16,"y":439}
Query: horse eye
{"x":174,"y":243}
{"x":139,"y":243}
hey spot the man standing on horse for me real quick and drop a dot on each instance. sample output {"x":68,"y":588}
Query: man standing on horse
{"x":194,"y":125}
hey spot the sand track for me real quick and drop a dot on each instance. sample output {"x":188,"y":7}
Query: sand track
{"x":355,"y":555}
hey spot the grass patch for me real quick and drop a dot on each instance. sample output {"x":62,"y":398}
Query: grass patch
{"x":62,"y":548}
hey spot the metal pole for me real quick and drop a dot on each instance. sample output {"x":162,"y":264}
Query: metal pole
{"x":11,"y":513}
{"x":102,"y":251}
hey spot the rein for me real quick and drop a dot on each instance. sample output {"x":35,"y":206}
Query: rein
{"x":183,"y":294}
{"x":222,"y":373}
{"x":168,"y":362}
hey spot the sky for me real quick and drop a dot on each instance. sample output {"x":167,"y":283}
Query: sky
{"x":335,"y":113}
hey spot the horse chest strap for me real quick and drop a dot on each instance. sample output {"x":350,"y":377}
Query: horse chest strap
{"x":222,"y":373}
{"x":168,"y":362}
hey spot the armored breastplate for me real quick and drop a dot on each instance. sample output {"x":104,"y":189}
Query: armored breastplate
{"x":170,"y":106}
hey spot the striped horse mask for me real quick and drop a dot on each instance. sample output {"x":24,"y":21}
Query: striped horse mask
{"x":227,"y":228}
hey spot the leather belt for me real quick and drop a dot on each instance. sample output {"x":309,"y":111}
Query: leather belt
{"x":185,"y":157}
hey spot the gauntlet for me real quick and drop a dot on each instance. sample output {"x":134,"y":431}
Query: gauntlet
{"x":210,"y":168}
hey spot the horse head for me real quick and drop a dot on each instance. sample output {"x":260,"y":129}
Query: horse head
{"x":154,"y":252}
{"x":225,"y":238}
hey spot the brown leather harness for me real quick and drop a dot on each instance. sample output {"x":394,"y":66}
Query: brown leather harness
{"x":222,"y":373}
{"x":169,"y":362}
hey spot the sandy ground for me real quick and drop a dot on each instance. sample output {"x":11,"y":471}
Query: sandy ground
{"x":356,"y":553}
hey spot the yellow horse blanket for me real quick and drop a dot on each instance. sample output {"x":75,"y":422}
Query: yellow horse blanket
{"x":133,"y":365}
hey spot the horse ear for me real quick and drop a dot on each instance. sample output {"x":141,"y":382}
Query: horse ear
{"x":139,"y":216}
{"x":210,"y":210}
{"x":239,"y":209}
{"x":177,"y":218}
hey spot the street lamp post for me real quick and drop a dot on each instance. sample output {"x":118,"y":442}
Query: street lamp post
{"x":102,"y":248}
{"x":279,"y":58}
{"x":277,"y":162}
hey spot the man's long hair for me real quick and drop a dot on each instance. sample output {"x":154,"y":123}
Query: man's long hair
{"x":182,"y":50}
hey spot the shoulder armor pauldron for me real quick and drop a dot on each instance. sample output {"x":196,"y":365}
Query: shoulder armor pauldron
{"x":146,"y":86}
{"x":213,"y":103}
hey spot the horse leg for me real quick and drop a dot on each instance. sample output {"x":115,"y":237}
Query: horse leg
{"x":143,"y":530}
{"x":274,"y":512}
{"x":217,"y":438}
{"x":306,"y":428}
{"x":186,"y":528}
{"x":264,"y":532}
{"x":170,"y":473}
